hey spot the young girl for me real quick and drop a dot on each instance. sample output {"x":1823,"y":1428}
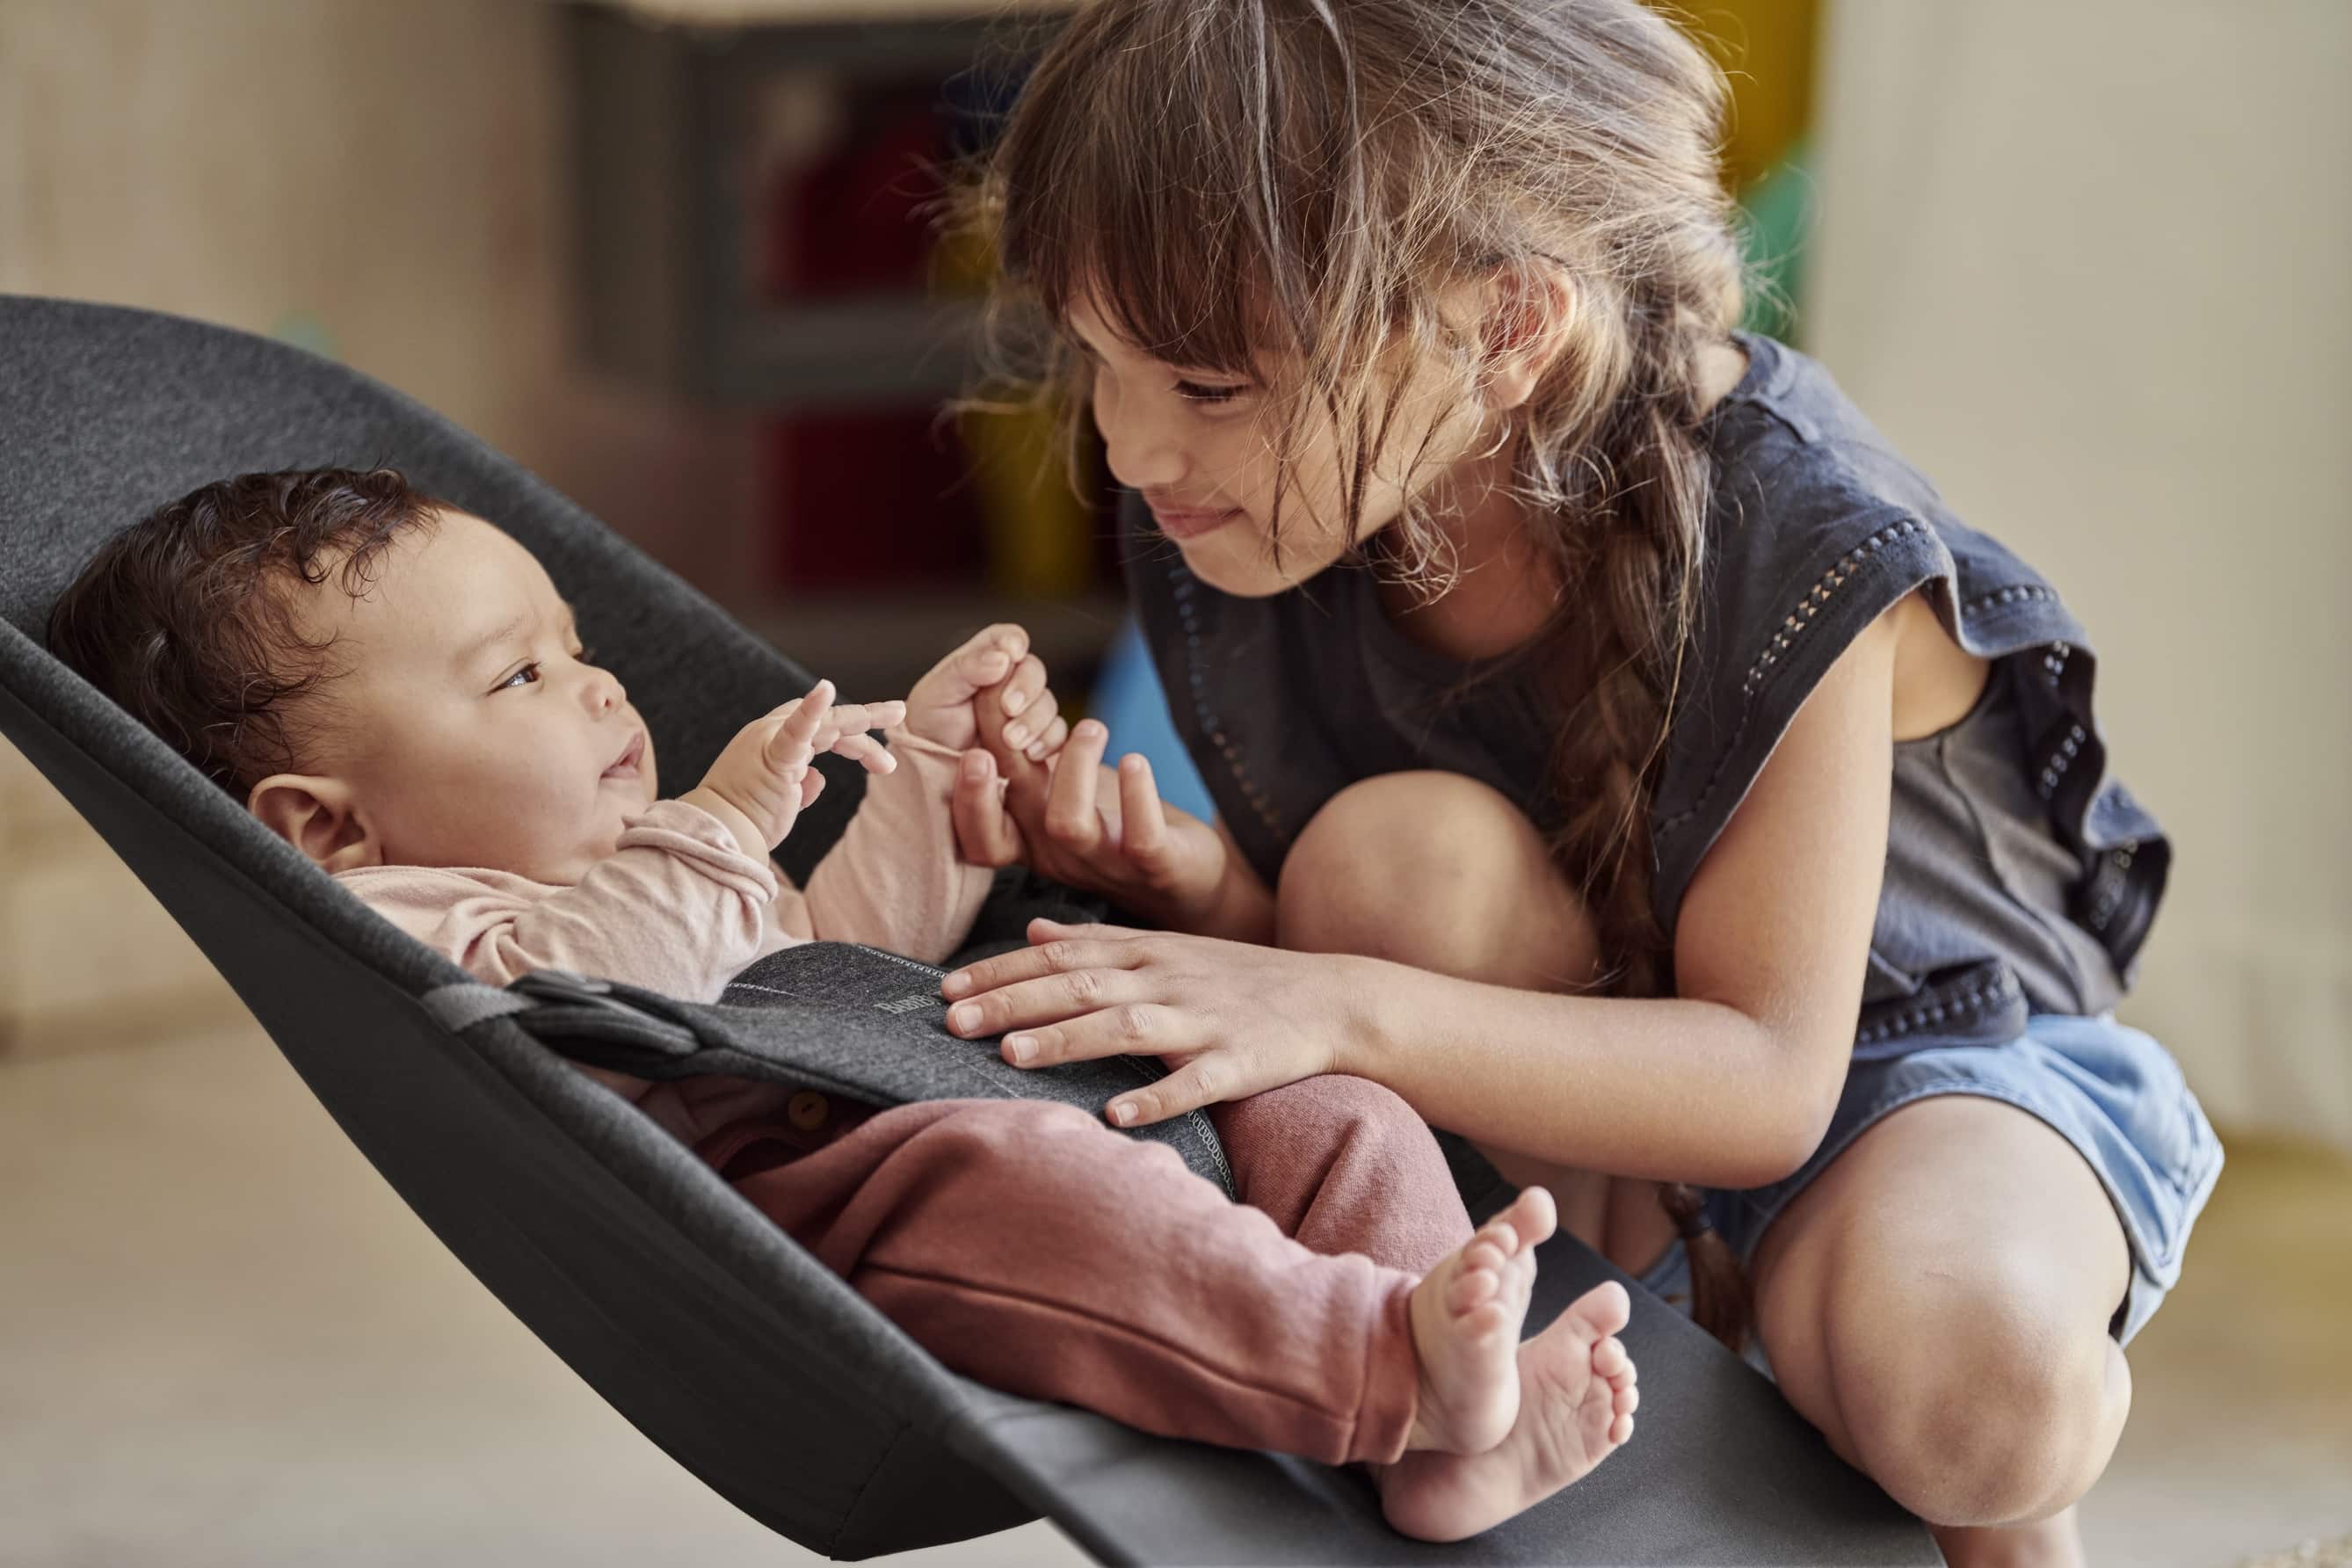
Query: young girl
{"x":397,"y":689}
{"x":1632,"y":762}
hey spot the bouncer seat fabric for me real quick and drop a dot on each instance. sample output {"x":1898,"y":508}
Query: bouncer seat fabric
{"x":680,"y":1304}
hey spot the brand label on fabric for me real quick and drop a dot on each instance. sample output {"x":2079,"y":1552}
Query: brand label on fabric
{"x":908,"y":1004}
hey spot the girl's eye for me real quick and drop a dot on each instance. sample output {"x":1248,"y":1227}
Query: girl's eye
{"x":1197,"y":391}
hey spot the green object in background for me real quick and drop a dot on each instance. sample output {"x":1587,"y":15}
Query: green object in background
{"x":1779,"y":208}
{"x":306,"y":331}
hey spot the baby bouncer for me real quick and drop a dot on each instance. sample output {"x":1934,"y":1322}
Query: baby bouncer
{"x":681,"y":1305}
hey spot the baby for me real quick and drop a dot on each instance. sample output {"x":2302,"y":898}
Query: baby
{"x":397,"y":689}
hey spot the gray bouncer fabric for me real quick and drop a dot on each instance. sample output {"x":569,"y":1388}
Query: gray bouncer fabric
{"x":701,"y":1323}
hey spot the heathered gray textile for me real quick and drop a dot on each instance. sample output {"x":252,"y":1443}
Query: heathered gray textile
{"x":683,"y":1306}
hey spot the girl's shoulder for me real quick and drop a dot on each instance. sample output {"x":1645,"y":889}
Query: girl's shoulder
{"x":1817,"y":526}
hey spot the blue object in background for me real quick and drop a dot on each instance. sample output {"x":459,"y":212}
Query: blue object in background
{"x":1129,"y":700}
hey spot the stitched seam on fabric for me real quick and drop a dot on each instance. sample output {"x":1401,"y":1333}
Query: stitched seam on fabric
{"x":1818,"y":597}
{"x":1183,"y":586}
{"x":1937,"y":1012}
{"x":2016,"y":592}
{"x":920,"y":968}
{"x":1673,"y":824}
{"x":770,"y":991}
{"x":1063,"y":1309}
{"x":867,"y":1485}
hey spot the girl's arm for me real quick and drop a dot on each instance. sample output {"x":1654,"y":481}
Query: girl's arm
{"x":1731,"y":1083}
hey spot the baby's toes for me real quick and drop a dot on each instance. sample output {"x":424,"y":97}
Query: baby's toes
{"x":1477,"y":1279}
{"x":1616,"y":1369}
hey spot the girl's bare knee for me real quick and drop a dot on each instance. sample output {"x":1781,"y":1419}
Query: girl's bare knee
{"x":1980,"y":1413}
{"x":1437,"y":870}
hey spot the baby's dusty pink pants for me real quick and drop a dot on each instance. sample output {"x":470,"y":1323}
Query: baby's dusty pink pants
{"x":1031,"y":1246}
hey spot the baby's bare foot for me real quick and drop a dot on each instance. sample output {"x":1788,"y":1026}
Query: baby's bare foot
{"x":1465,"y":1315}
{"x":1575,"y":1403}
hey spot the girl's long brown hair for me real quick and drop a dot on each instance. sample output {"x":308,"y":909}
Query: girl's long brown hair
{"x":1240,"y":182}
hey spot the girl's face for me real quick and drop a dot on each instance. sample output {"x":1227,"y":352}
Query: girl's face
{"x":1198,"y":447}
{"x":470,"y":727}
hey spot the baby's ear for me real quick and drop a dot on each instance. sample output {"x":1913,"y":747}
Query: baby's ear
{"x":318,"y":817}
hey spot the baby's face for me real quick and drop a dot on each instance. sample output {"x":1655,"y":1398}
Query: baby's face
{"x":469,"y":729}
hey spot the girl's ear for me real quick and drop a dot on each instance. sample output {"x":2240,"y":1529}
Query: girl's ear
{"x":1529,"y":311}
{"x":317,"y":815}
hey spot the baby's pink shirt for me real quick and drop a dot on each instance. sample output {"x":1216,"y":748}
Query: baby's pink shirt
{"x":678,"y":908}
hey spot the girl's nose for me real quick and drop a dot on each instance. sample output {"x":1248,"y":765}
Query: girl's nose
{"x":1138,"y":446}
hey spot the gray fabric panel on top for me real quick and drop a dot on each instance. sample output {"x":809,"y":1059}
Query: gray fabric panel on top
{"x":723,"y":1342}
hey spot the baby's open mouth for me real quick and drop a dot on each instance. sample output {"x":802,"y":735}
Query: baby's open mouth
{"x":625,"y":766}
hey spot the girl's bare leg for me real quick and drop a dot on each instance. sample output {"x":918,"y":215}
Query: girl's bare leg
{"x":1938,"y":1303}
{"x":1980,"y":1212}
{"x":1441,"y":872}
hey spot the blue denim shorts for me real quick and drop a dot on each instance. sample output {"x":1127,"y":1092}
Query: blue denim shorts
{"x":2111,"y":1091}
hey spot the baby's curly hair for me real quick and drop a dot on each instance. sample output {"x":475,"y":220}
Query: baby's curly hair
{"x":187,"y":619}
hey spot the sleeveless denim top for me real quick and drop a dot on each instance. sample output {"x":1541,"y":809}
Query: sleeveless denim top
{"x":2019,"y":877}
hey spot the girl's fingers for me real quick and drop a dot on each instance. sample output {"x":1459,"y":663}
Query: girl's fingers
{"x":1058,"y":949}
{"x":1144,"y":827}
{"x":1050,"y":744}
{"x":1203,"y":1081}
{"x":1129,"y":1029}
{"x":812,"y":786}
{"x":1071,"y":820}
{"x":984,"y":832}
{"x":1055,"y":1007}
{"x":1021,"y":691}
{"x":1027,"y":733}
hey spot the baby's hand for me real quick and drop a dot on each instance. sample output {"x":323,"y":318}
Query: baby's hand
{"x":994,"y":669}
{"x":765,"y":777}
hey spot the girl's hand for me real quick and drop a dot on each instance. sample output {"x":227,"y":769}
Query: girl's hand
{"x":763,"y":780}
{"x":1090,"y":827}
{"x":993,"y":675}
{"x":1233,"y":1018}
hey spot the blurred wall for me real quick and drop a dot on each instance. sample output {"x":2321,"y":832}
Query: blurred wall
{"x":2089,"y":264}
{"x":385,"y":180}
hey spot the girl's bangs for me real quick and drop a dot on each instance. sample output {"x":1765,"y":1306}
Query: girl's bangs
{"x":1142,"y":198}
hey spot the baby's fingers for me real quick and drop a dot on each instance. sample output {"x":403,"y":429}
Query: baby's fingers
{"x":795,"y":739}
{"x":858,"y":717}
{"x":865,"y":751}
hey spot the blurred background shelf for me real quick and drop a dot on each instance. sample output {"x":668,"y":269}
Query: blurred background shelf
{"x":873,"y":646}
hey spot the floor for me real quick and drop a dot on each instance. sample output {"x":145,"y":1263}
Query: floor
{"x":224,"y":1341}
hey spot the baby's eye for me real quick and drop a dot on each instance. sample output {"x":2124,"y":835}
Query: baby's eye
{"x":1200,"y":392}
{"x":531,"y":670}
